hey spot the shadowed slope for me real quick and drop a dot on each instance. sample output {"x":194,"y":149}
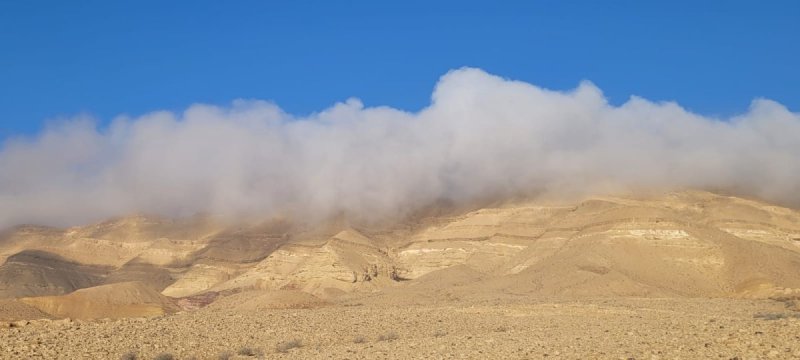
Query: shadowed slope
{"x":36,"y":273}
{"x":129,"y":299}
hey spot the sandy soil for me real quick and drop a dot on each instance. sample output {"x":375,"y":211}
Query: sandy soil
{"x":367,"y":329}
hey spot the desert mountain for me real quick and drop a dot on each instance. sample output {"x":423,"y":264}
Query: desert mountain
{"x":685,"y":244}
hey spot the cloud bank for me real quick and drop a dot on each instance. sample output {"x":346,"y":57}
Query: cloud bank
{"x":482,"y":136}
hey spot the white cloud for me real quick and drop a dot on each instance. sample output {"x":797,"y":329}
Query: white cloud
{"x":481,"y":136}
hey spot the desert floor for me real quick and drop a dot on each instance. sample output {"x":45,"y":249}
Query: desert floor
{"x":377,"y":328}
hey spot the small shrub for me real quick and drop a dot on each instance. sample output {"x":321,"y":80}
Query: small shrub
{"x":164,"y":356}
{"x":225,"y":355}
{"x":288,"y":345}
{"x":389,"y":336}
{"x":359,"y":339}
{"x":776,"y":316}
{"x":769,"y":316}
{"x":130,"y":355}
{"x":247,"y":351}
{"x":439,"y":333}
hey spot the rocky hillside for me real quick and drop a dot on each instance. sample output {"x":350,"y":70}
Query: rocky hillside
{"x":687,"y":244}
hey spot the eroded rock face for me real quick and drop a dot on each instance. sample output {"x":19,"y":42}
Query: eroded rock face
{"x":344,"y":262}
{"x":681,"y":244}
{"x":677,"y":245}
{"x":198,"y":279}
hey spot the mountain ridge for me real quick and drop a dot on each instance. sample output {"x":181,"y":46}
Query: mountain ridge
{"x":681,"y":244}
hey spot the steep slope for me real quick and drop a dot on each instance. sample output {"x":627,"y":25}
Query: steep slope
{"x":226,"y":255}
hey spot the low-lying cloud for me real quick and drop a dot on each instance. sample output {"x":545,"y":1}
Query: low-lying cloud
{"x":482,"y":136}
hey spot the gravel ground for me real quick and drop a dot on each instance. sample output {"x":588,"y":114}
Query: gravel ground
{"x":535,"y":329}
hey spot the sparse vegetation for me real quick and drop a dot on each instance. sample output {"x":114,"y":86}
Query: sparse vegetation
{"x":164,"y":356}
{"x":359,"y":339}
{"x":791,"y":302}
{"x":776,"y":316}
{"x":389,"y":336}
{"x":130,"y":355}
{"x":248,"y":351}
{"x":288,"y":345}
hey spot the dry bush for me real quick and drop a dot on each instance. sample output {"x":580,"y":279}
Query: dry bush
{"x":775,"y":316}
{"x":248,"y":351}
{"x":389,"y":336}
{"x":288,"y":345}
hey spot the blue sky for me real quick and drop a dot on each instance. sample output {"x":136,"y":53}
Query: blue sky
{"x":105,"y":58}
